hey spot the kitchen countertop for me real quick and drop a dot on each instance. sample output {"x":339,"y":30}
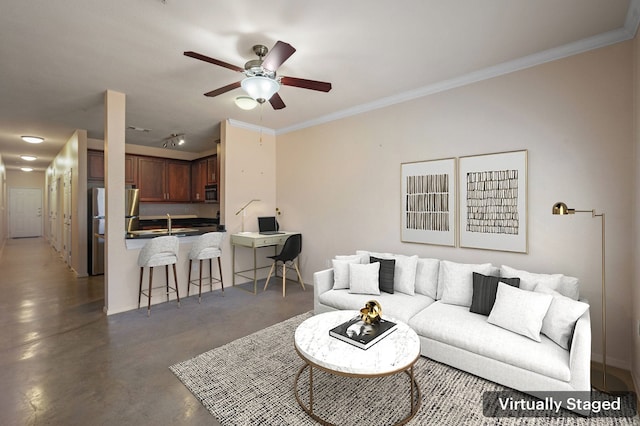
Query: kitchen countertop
{"x":187,"y":235}
{"x":177,"y":231}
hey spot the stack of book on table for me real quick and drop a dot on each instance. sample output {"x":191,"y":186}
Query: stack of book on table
{"x":362,"y":335}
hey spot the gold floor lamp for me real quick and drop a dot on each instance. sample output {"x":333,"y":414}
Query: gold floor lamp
{"x":601,"y":380}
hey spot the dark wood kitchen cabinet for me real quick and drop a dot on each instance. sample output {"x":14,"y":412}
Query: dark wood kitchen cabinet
{"x":163,"y":180}
{"x":178,"y":180}
{"x":95,"y":167}
{"x":198,"y":180}
{"x":212,"y":169}
{"x":203,"y":172}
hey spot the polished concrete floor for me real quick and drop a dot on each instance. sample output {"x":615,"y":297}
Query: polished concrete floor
{"x":63,"y":362}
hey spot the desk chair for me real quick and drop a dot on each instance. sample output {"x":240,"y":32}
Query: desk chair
{"x":290,"y":251}
{"x":159,"y":251}
{"x":207,"y":246}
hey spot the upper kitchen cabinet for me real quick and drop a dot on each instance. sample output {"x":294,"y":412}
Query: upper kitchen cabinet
{"x":179,"y":180}
{"x":198,"y":179}
{"x":203,"y":172}
{"x":163,"y":180}
{"x":212,"y":169}
{"x":95,"y":167}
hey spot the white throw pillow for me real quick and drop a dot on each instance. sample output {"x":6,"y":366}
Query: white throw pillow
{"x":427,"y":277}
{"x":457,"y":281}
{"x":404,"y":278}
{"x":561,"y":317}
{"x":519,"y":311}
{"x":567,"y":286}
{"x":359,"y":258}
{"x":364,"y":278}
{"x":341,"y":273}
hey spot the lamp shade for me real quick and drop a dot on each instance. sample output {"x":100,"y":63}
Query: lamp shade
{"x":260,"y":88}
{"x":562,"y":209}
{"x":246,"y":102}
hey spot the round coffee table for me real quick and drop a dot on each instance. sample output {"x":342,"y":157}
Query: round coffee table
{"x":395,"y":353}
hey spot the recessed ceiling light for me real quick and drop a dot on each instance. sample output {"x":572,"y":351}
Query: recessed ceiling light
{"x":33,"y":139}
{"x":28,"y":157}
{"x":26,"y":169}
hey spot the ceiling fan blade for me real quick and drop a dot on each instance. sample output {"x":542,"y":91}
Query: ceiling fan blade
{"x":277,"y":55}
{"x":276,"y":101}
{"x":213,"y":61}
{"x":320,"y":86}
{"x":222,"y":90}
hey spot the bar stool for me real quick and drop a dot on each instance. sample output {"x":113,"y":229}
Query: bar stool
{"x":207,"y":246}
{"x":159,"y":251}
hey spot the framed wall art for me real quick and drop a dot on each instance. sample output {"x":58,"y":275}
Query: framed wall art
{"x":429,"y":202}
{"x":493,"y":201}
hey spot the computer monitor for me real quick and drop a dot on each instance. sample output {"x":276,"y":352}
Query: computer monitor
{"x":267,"y":224}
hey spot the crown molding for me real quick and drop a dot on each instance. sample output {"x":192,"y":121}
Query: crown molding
{"x":248,"y":126}
{"x":627,"y":32}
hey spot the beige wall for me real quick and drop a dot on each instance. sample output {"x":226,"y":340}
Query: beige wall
{"x":72,"y":158}
{"x":248,"y":172}
{"x":339,"y":183}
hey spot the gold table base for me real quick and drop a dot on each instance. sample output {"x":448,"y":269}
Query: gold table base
{"x":416,"y":399}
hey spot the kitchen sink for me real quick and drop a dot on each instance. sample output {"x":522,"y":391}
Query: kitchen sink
{"x":163,"y":231}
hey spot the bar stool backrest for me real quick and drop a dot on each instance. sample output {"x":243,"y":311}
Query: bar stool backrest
{"x":159,"y":251}
{"x":207,"y":246}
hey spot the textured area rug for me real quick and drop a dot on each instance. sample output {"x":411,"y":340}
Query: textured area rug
{"x":250,"y":382}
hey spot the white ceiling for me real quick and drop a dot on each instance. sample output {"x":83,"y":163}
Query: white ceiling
{"x":58,"y":58}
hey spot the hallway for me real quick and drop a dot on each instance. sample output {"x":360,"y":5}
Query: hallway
{"x":63,"y":362}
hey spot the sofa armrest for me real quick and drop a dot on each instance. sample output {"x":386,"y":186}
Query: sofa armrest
{"x":580,"y":353}
{"x":322,"y":282}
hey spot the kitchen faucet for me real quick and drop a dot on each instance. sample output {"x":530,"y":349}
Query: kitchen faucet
{"x":169,"y":223}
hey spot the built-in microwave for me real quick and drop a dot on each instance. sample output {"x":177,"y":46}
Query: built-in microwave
{"x":211,"y":193}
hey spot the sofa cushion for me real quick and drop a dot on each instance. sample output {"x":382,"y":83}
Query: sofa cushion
{"x":520,"y":311}
{"x":398,"y":305}
{"x":341,"y":272}
{"x":427,"y":277}
{"x":363,"y":278}
{"x":404,"y":279}
{"x":385,"y":277}
{"x":560,"y":320}
{"x":405,"y":271}
{"x":456,"y":326}
{"x":358,"y":258}
{"x":567,"y":286}
{"x":485,"y":288}
{"x":457,"y":281}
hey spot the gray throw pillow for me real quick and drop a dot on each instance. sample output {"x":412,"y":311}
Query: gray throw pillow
{"x":386,"y":274}
{"x":484,"y":292}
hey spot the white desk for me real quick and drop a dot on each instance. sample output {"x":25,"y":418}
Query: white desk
{"x":255,"y":240}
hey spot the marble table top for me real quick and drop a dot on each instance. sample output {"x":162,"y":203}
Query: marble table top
{"x":396,"y":352}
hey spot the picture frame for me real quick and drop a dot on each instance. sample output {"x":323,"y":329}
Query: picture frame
{"x":429,"y":202}
{"x":493,"y":201}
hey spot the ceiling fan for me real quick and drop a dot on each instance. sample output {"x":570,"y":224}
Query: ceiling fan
{"x":261,"y":81}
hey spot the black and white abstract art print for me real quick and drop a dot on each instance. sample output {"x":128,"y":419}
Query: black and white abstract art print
{"x":429,"y":202}
{"x":493,"y":201}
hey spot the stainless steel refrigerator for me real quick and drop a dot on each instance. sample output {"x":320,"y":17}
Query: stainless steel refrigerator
{"x":96,"y":224}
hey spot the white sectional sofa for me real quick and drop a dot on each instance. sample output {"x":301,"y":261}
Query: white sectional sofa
{"x":533,"y":336}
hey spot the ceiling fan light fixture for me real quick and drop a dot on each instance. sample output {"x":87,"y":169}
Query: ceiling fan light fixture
{"x":246,"y":103}
{"x":32,"y":139}
{"x":260,"y":88}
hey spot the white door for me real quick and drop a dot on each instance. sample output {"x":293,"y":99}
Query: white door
{"x":25,"y":212}
{"x":67,"y":217}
